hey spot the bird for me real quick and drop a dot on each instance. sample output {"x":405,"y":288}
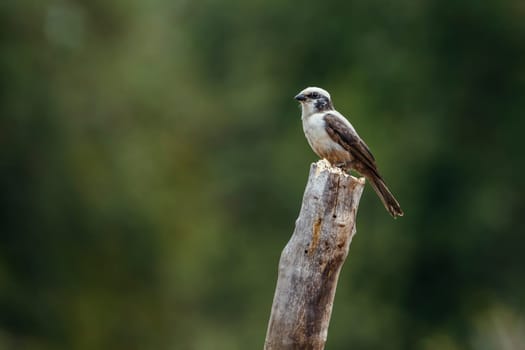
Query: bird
{"x":332,"y":137}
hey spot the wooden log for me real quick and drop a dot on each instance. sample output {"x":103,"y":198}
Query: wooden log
{"x":311,"y":261}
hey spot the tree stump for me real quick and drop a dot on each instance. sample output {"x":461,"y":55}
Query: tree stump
{"x":311,"y":261}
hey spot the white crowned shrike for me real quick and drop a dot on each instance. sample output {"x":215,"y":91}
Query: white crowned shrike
{"x":332,"y":137}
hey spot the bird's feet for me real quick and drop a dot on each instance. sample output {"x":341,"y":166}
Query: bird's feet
{"x":343,"y":165}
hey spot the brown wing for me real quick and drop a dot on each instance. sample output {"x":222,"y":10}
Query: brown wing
{"x":348,"y":138}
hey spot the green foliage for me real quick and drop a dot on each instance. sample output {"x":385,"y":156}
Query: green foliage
{"x":153,"y":162}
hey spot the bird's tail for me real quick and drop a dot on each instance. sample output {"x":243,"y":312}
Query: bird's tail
{"x":388,"y":199}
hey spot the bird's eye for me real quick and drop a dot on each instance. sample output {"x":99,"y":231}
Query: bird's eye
{"x":314,"y":95}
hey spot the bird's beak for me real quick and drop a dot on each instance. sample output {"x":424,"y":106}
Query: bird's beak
{"x":300,"y":97}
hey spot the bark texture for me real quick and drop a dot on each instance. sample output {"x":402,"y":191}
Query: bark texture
{"x":311,"y":261}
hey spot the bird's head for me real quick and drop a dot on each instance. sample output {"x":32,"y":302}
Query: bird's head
{"x":314,"y":100}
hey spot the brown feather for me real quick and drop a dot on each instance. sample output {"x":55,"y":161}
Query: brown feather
{"x":363,"y":160}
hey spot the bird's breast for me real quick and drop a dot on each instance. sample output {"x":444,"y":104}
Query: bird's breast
{"x":321,"y":143}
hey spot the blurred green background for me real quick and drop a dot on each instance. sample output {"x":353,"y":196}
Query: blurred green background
{"x":153,"y":165}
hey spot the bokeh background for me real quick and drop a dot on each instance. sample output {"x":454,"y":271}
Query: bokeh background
{"x":153,"y":164}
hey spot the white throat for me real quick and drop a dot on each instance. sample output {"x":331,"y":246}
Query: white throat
{"x":308,"y":109}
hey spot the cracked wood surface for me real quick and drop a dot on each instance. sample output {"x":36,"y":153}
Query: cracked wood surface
{"x":311,"y":261}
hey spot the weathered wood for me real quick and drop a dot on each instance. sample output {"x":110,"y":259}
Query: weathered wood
{"x":311,"y":261}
